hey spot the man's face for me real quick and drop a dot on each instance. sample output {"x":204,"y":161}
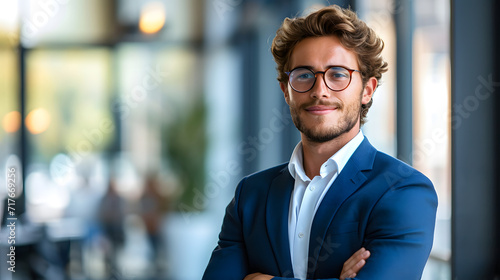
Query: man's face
{"x":321,"y":114}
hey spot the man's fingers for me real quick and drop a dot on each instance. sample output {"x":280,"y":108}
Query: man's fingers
{"x":349,"y":272}
{"x":354,"y":264}
{"x":361,"y":254}
{"x":258,"y":276}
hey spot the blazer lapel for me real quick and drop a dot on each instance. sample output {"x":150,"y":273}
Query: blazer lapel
{"x":278,"y":203}
{"x":348,"y":181}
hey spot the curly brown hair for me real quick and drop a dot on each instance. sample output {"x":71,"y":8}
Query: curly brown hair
{"x":352,"y":32}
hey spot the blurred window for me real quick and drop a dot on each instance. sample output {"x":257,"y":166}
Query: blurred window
{"x":160,"y":102}
{"x":381,"y":124}
{"x":67,"y":113}
{"x":9,"y":88}
{"x":67,"y":62}
{"x":431,"y":128}
{"x":10,"y":109}
{"x":65,"y":22}
{"x":431,"y":94}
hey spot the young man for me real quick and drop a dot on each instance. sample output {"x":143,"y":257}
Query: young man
{"x":313,"y":217}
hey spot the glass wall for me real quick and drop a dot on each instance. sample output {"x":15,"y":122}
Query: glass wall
{"x":114,"y":116}
{"x":431,"y":94}
{"x":10,"y":109}
{"x":431,"y":124}
{"x":381,"y":125}
{"x":68,"y":124}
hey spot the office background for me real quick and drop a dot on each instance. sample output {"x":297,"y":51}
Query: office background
{"x":127,"y":124}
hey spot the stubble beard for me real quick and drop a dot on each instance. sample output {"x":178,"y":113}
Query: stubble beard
{"x":347,"y":121}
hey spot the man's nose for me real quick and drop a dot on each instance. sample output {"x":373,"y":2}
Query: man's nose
{"x":320,"y":90}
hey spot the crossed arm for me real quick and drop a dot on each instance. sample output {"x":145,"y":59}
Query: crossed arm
{"x":350,"y":269}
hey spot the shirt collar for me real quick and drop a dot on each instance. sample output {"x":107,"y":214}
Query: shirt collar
{"x":344,"y":154}
{"x":295,"y":166}
{"x":334,"y":164}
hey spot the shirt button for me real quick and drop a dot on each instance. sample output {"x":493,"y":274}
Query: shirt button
{"x":312,"y":188}
{"x":301,"y":235}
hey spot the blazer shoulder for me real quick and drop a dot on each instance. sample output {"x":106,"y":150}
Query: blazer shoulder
{"x":260,"y":181}
{"x":268,"y":174}
{"x":398,"y":171}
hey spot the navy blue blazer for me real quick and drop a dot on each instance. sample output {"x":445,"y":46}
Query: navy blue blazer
{"x":376,"y":202}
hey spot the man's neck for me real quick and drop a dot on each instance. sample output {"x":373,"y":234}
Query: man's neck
{"x":315,"y":154}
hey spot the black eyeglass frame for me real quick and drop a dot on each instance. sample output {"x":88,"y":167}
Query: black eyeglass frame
{"x":322,"y":72}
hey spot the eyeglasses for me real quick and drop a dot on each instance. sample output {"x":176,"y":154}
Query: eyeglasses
{"x":336,"y":78}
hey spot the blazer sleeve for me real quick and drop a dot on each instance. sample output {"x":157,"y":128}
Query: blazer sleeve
{"x":400,"y":232}
{"x":229,"y":258}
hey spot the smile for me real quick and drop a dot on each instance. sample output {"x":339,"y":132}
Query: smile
{"x":320,"y":110}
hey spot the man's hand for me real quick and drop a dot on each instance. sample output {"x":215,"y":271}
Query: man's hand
{"x":354,"y":264}
{"x":258,"y":276}
{"x":350,"y":269}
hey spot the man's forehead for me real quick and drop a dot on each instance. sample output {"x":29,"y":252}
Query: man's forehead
{"x":319,"y":52}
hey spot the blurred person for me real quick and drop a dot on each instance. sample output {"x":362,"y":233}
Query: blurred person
{"x":339,"y":208}
{"x":84,"y":205}
{"x":111,"y":219}
{"x":153,"y":206}
{"x":82,"y":214}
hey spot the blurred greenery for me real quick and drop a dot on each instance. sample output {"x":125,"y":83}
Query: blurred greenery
{"x":185,"y":148}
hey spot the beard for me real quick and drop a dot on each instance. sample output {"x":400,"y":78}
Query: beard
{"x":315,"y":133}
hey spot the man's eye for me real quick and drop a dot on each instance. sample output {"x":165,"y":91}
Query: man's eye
{"x":305,"y":76}
{"x":339,"y":75}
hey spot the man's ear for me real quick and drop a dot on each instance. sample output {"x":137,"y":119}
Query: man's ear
{"x":370,"y":87}
{"x":284,"y":89}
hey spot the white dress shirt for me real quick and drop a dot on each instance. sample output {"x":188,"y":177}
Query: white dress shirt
{"x":307,"y":196}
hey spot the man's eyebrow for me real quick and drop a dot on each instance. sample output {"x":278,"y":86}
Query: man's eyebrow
{"x":304,"y":66}
{"x":328,"y":66}
{"x":337,"y":65}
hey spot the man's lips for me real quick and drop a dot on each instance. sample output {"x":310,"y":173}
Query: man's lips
{"x":321,"y":109}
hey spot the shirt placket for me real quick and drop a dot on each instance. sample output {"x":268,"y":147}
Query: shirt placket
{"x":302,"y":230}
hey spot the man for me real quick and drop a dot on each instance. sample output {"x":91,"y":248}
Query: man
{"x":313,"y":217}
